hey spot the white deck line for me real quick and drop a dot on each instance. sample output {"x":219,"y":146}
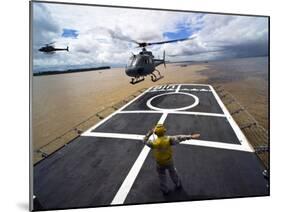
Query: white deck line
{"x":193,"y":84}
{"x":108,"y":117}
{"x":178,"y":89}
{"x":115,"y":135}
{"x":163,"y":118}
{"x":123,"y":191}
{"x":196,"y":102}
{"x":164,"y":90}
{"x":174,"y":112}
{"x":215,"y":144}
{"x":127,"y":184}
{"x":182,"y":89}
{"x":198,"y":90}
{"x":197,"y":113}
{"x":242,"y":138}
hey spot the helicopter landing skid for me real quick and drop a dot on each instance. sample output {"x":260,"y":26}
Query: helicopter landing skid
{"x":154,"y":78}
{"x":136,"y":80}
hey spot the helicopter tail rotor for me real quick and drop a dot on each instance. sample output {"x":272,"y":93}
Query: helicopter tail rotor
{"x":164,"y":62}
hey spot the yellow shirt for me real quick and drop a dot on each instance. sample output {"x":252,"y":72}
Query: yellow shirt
{"x":162,"y":150}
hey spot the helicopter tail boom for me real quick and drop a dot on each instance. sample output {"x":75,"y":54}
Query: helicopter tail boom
{"x":160,"y":61}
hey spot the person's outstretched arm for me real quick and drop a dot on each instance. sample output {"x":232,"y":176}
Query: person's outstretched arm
{"x":146,"y":137}
{"x":179,"y":138}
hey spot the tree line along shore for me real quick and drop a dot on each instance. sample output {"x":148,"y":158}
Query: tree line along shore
{"x":70,"y":71}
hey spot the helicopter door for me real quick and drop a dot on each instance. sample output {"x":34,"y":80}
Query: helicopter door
{"x":151,"y":62}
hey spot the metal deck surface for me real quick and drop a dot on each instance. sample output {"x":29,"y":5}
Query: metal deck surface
{"x":109,"y":165}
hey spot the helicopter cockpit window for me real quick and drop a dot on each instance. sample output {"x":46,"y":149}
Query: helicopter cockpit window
{"x":132,"y":61}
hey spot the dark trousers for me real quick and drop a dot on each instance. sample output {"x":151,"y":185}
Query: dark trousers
{"x":163,"y":178}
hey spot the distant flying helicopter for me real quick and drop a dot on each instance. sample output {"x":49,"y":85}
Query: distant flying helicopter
{"x":143,"y":64}
{"x":49,"y":48}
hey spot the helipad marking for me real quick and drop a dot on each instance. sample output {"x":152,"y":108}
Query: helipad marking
{"x":226,"y":114}
{"x":162,"y":90}
{"x":130,"y":178}
{"x":171,"y":87}
{"x":243,"y":140}
{"x":178,"y":89}
{"x":194,"y":142}
{"x":196,"y":102}
{"x":182,"y":89}
{"x":214,"y":144}
{"x":115,"y":135}
{"x":127,"y":184}
{"x":198,"y":90}
{"x":117,"y":111}
{"x":173,"y":112}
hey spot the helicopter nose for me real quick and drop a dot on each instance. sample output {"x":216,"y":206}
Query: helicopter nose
{"x":133,"y":72}
{"x":130,"y":72}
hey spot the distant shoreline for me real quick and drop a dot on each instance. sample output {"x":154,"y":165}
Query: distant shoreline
{"x":70,"y":71}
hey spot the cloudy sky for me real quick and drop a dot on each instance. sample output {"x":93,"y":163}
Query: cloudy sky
{"x":100,"y":35}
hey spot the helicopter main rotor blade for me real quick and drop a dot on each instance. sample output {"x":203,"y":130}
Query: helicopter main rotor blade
{"x":168,"y":41}
{"x":47,"y":44}
{"x":120,"y":36}
{"x":144,"y":44}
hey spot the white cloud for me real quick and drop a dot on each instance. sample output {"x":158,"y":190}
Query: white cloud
{"x":44,"y":26}
{"x":102,"y":32}
{"x":223,"y":36}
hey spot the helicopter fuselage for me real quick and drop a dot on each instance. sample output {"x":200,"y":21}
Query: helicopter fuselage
{"x":49,"y":49}
{"x":142,"y":64}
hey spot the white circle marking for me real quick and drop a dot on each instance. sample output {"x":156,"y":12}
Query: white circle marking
{"x":196,"y":102}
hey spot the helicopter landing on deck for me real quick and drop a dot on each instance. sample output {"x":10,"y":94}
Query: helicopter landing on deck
{"x":143,"y":64}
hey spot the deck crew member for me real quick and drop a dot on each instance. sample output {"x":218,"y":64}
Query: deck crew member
{"x":162,"y":152}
